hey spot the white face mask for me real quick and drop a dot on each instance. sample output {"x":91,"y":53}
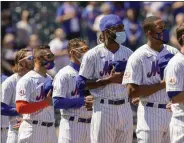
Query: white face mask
{"x":120,"y":37}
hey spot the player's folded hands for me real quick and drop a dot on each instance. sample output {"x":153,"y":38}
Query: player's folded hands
{"x":19,"y":121}
{"x":135,"y":101}
{"x":89,"y":102}
{"x":168,"y":107}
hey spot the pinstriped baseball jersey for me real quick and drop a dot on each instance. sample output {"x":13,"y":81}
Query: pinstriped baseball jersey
{"x":65,"y":86}
{"x":3,"y":78}
{"x":95,"y":66}
{"x":9,"y":93}
{"x":4,"y":119}
{"x":142,"y":69}
{"x":30,"y":88}
{"x":175,"y":82}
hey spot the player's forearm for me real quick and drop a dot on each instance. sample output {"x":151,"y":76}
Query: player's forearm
{"x":145,"y":90}
{"x":7,"y":110}
{"x":92,"y":84}
{"x":66,"y":103}
{"x":24,"y":107}
{"x":178,"y":98}
{"x":65,"y":17}
{"x":117,"y":78}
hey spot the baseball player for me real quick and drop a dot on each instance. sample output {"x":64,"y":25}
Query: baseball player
{"x":144,"y":79}
{"x":75,"y":120}
{"x":23,"y":64}
{"x":33,"y":100}
{"x":112,"y":115}
{"x":4,"y":119}
{"x":3,"y":78}
{"x":175,"y":90}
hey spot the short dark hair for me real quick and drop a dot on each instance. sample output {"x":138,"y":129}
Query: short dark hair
{"x":19,"y":55}
{"x":148,"y":24}
{"x":74,"y":43}
{"x":36,"y":51}
{"x":179,"y":33}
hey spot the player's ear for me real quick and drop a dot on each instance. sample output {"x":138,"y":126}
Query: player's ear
{"x":72,"y":52}
{"x":182,"y":37}
{"x":149,"y":33}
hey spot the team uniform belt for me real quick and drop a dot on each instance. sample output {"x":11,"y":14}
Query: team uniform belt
{"x":5,"y":128}
{"x":113,"y":102}
{"x":78,"y":119}
{"x":46,"y":124}
{"x":156,"y":105}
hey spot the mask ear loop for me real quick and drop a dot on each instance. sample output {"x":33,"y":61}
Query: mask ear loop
{"x":159,"y":35}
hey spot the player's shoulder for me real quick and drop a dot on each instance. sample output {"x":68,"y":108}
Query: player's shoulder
{"x":171,"y":49}
{"x":64,"y":72}
{"x":94,"y":51}
{"x":11,"y":79}
{"x":26,"y":78}
{"x":126,"y":50}
{"x":177,"y":62}
{"x":139,"y":53}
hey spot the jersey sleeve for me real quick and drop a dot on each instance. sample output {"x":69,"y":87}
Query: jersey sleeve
{"x":133,"y":72}
{"x":60,"y":86}
{"x":59,"y":11}
{"x":7,"y":92}
{"x":23,"y":90}
{"x":87,"y":66}
{"x":174,"y":78}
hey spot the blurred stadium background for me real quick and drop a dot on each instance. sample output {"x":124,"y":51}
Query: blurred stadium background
{"x":27,"y":24}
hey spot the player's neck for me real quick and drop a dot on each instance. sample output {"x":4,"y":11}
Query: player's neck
{"x":74,"y":60}
{"x":155,"y":46}
{"x":182,"y":50}
{"x":40,"y":70}
{"x":113,"y":47}
{"x":22,"y":73}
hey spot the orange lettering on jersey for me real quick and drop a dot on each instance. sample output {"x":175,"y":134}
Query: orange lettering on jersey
{"x":172,"y":80}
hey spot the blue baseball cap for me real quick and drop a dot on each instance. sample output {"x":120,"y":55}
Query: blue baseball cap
{"x":109,"y":21}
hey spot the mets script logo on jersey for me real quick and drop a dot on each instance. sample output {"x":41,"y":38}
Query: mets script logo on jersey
{"x":105,"y":69}
{"x":42,"y":95}
{"x":154,"y":69}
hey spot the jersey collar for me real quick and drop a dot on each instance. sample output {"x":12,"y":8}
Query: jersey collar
{"x":74,"y":65}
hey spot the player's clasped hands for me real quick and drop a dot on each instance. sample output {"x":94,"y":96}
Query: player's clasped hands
{"x":19,"y":121}
{"x":135,"y":101}
{"x":114,"y":76}
{"x":89,"y":102}
{"x":168,"y":106}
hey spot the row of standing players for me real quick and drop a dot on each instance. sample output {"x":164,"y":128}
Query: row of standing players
{"x":29,"y":92}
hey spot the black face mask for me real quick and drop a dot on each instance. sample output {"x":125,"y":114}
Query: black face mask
{"x":165,"y":36}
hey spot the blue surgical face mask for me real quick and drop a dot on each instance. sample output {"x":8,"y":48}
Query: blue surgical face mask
{"x":120,"y":37}
{"x":50,"y":63}
{"x":165,"y":36}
